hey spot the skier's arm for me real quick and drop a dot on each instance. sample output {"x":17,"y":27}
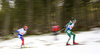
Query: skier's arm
{"x":70,"y":23}
{"x":66,"y":25}
{"x":15,"y":31}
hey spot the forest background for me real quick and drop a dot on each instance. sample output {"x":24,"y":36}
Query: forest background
{"x":39,"y":15}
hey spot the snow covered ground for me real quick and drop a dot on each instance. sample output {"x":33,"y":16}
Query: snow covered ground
{"x":46,"y":44}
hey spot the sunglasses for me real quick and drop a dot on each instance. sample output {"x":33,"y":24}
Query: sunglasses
{"x":26,"y":28}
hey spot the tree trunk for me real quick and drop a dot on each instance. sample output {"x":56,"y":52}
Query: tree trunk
{"x":7,"y":19}
{"x":29,"y":15}
{"x":49,"y":14}
{"x":58,"y":13}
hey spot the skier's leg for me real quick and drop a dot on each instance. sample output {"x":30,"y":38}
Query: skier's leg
{"x":22,"y":41}
{"x":68,"y":39}
{"x":68,"y":32}
{"x":22,"y":45}
{"x":74,"y":38}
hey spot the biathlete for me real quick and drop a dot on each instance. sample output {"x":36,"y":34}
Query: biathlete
{"x":68,"y":29}
{"x":21,"y":32}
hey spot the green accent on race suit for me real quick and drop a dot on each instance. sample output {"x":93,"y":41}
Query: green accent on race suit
{"x":69,"y":34}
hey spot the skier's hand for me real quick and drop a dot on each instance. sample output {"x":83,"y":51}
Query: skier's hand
{"x":64,"y":27}
{"x":12,"y":33}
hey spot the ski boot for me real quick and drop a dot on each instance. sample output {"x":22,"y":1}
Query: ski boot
{"x":23,"y":46}
{"x":74,"y":43}
{"x":67,"y":44}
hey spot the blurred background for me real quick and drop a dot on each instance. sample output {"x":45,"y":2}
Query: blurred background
{"x":39,"y":15}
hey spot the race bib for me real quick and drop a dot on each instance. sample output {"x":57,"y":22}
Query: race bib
{"x":69,"y":31}
{"x":22,"y":33}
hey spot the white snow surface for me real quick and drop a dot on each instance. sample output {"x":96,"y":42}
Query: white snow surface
{"x":46,"y":44}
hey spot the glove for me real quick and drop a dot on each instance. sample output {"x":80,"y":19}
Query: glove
{"x":64,"y":27}
{"x":12,"y":33}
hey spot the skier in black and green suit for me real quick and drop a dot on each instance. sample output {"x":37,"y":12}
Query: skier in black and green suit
{"x":68,"y":29}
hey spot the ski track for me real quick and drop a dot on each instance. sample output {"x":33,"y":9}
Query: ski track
{"x":46,"y":44}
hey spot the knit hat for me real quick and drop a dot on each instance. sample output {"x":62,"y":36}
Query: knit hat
{"x":25,"y":27}
{"x":73,"y":19}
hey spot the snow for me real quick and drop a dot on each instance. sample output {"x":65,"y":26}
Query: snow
{"x":46,"y":44}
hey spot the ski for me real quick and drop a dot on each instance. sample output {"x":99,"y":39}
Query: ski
{"x":25,"y":47}
{"x":28,"y":47}
{"x":74,"y":44}
{"x":78,"y":44}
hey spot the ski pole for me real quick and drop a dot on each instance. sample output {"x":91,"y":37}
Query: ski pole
{"x":60,"y":30}
{"x":63,"y":28}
